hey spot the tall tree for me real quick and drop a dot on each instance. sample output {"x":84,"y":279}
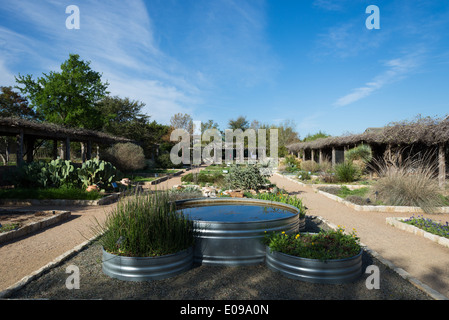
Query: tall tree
{"x":67,"y":97}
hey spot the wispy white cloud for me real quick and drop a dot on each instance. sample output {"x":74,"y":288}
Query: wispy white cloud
{"x":396,"y":70}
{"x":331,"y":5}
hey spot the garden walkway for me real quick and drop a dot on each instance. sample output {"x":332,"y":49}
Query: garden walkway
{"x":421,"y":258}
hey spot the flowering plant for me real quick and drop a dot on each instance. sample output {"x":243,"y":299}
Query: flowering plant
{"x":325,"y":245}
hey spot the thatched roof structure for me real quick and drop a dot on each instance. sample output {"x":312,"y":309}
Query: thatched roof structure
{"x":39,"y":130}
{"x":426,"y":131}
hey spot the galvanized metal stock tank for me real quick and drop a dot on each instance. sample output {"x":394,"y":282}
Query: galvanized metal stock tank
{"x":147,"y":268}
{"x":337,"y":271}
{"x":238,"y":243}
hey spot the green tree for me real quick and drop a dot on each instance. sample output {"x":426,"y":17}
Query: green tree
{"x":67,"y":97}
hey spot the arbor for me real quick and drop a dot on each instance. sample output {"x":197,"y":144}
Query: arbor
{"x":67,"y":97}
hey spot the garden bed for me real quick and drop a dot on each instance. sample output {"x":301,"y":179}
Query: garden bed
{"x":17,"y":223}
{"x":400,"y":224}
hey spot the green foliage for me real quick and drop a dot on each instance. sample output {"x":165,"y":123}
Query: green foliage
{"x":346,"y":172}
{"x":62,"y":172}
{"x":278,"y":197}
{"x":325,"y":245}
{"x":203,"y":177}
{"x":145,"y":226}
{"x":33,"y":175}
{"x":245,"y":178}
{"x":164,"y":161}
{"x":98,"y":172}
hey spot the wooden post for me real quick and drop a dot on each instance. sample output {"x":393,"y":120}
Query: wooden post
{"x":333,"y":157}
{"x":55,"y":149}
{"x":313,"y":155}
{"x":321,"y":156}
{"x":30,"y":148}
{"x":304,"y":155}
{"x":442,"y":164}
{"x":19,"y":153}
{"x":89,"y":150}
{"x":67,"y":149}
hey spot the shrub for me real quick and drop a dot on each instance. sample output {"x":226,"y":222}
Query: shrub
{"x":346,"y":172}
{"x":126,"y":156}
{"x":410,"y":183}
{"x":202,"y":177}
{"x":310,"y":166}
{"x":145,"y":226}
{"x":245,"y":178}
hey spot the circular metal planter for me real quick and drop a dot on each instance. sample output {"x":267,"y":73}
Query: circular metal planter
{"x":147,"y":268}
{"x":238,"y":243}
{"x":337,"y":271}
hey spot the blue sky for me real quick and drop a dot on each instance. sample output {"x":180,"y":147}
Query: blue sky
{"x":313,"y":62}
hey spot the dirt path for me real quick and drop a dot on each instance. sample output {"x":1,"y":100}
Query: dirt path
{"x":421,"y":258}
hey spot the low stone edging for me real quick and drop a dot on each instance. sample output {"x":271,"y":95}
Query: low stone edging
{"x":61,"y":202}
{"x":58,"y":216}
{"x":397,"y":222}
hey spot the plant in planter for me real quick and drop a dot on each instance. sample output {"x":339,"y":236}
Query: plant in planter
{"x":324,"y":257}
{"x":144,"y":238}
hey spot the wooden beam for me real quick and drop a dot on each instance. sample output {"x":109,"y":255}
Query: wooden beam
{"x":442,"y":165}
{"x":19,"y":153}
{"x":334,"y":160}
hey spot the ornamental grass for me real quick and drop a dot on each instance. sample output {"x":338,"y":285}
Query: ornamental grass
{"x":146,"y":225}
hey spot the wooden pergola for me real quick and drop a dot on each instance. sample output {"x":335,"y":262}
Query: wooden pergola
{"x":423,"y":135}
{"x":27,"y":132}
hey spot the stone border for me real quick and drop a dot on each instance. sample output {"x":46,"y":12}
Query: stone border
{"x":61,"y":202}
{"x":67,"y":255}
{"x":396,"y":209}
{"x":397,"y":222}
{"x":58,"y":216}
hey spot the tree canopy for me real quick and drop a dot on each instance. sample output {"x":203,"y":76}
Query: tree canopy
{"x":68,"y":97}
